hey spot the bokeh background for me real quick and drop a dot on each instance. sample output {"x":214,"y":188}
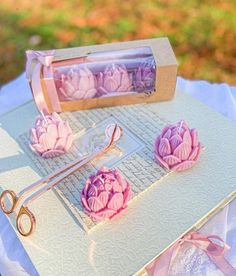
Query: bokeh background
{"x":202,"y":33}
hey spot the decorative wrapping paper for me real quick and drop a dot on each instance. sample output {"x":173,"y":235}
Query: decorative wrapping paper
{"x":153,"y":221}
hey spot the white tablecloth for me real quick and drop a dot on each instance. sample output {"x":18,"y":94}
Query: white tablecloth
{"x":221,"y":97}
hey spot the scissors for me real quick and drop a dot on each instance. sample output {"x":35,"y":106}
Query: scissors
{"x":113,"y":133}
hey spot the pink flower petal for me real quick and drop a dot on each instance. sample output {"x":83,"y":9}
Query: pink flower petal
{"x":125,"y":82}
{"x":194,"y":154}
{"x":102,"y":90}
{"x":187,"y":137}
{"x":110,"y":84}
{"x":91,"y":79}
{"x":116,"y":187}
{"x":87,"y":185}
{"x":182,"y":151}
{"x":116,"y":201}
{"x":175,"y":140}
{"x":102,"y":215}
{"x":199,"y":151}
{"x":165,"y":129}
{"x":94,"y":204}
{"x":184,"y":124}
{"x":37,"y":148}
{"x":183,"y":166}
{"x":177,"y":131}
{"x":62,"y":131}
{"x":164,"y":147}
{"x":84,"y":202}
{"x":38,"y":121}
{"x":33,"y":136}
{"x":79,"y":94}
{"x":52,"y":153}
{"x":121,"y":180}
{"x":194,"y":136}
{"x":127,"y":195}
{"x":52,"y":129}
{"x":40,"y":130}
{"x":60,"y":144}
{"x":157,"y":143}
{"x":93,"y":191}
{"x":167,"y":135}
{"x":171,"y":160}
{"x":161,"y":162}
{"x":107,"y":186}
{"x":103,"y":197}
{"x":69,"y":142}
{"x":47,"y":141}
{"x":90,"y":94}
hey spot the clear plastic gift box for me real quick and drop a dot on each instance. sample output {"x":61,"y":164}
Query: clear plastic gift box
{"x":105,"y":74}
{"x":102,"y":75}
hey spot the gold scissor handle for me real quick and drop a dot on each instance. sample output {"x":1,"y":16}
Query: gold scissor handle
{"x":6,"y":195}
{"x":24,"y":211}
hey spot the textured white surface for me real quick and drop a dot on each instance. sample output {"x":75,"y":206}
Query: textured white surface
{"x":126,"y":244}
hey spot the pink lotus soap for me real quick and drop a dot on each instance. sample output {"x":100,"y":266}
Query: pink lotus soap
{"x":51,"y":136}
{"x":77,"y":84}
{"x":115,"y":78}
{"x":105,"y":194}
{"x":178,"y":147}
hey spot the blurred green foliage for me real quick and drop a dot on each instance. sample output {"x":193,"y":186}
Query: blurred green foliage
{"x":202,"y":33}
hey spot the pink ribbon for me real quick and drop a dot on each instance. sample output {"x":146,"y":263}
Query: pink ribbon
{"x":43,"y":58}
{"x":44,"y":61}
{"x":212,"y":245}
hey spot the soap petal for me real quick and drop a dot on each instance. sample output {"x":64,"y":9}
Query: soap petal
{"x":62,"y":131}
{"x":69,"y":142}
{"x":183,"y":166}
{"x":194,"y":154}
{"x":127,"y":195}
{"x":47,"y":141}
{"x":103,"y":214}
{"x":93,"y":191}
{"x":167,"y":135}
{"x":103,"y":198}
{"x":187,"y":137}
{"x":194,"y":136}
{"x":60,"y":144}
{"x":116,"y":201}
{"x":52,"y":153}
{"x":84,"y":202}
{"x":182,"y":151}
{"x":95,"y":204}
{"x":161,"y":162}
{"x":175,"y":140}
{"x":33,"y":136}
{"x":164,"y":147}
{"x":171,"y":160}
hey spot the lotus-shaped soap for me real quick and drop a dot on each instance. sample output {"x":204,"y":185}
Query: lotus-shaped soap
{"x":77,"y":84}
{"x":51,"y":136}
{"x":105,"y":194}
{"x":115,"y":78}
{"x":178,"y":147}
{"x":144,"y":78}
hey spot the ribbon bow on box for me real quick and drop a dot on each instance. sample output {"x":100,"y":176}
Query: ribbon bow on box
{"x":44,"y":61}
{"x":212,"y":245}
{"x":43,"y":57}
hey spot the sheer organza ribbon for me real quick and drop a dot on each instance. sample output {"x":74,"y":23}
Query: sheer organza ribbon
{"x":212,"y":245}
{"x":44,"y":61}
